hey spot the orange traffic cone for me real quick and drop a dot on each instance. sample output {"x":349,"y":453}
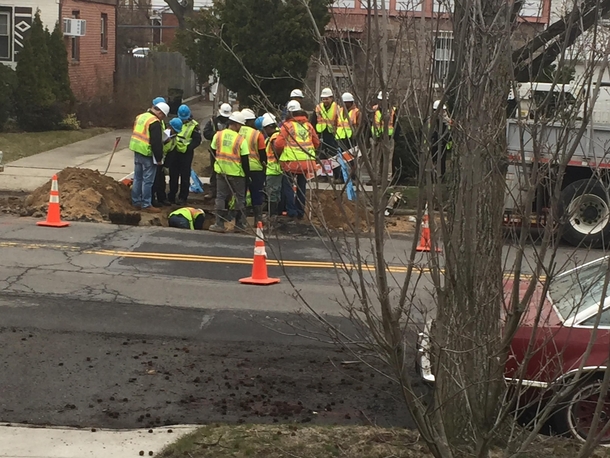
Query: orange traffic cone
{"x":53,"y":214}
{"x":424,"y":241}
{"x":259,"y":266}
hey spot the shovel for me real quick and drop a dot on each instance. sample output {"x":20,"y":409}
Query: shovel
{"x":116,"y":144}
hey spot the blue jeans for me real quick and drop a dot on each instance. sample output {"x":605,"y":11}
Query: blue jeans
{"x":143,"y":179}
{"x":295,"y":205}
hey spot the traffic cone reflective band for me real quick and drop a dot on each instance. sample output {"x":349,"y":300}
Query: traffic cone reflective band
{"x":259,"y":266}
{"x":424,"y":241}
{"x":53,"y":213}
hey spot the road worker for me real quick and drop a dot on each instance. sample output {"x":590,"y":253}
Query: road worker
{"x":147,"y":144}
{"x":216,"y":124}
{"x":187,"y":218}
{"x":169,"y":145}
{"x":232,"y":166}
{"x":187,"y":140}
{"x":273,"y":185}
{"x":378,"y":129}
{"x":258,"y":159}
{"x":348,"y":123}
{"x":324,"y":119}
{"x":296,"y":146}
{"x":440,"y":137}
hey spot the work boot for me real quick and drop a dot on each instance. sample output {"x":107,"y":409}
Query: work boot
{"x":258,"y":214}
{"x":240,"y":222}
{"x":219,"y":226}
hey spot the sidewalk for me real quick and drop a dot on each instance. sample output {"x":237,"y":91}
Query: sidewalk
{"x":27,"y":174}
{"x":34,"y":442}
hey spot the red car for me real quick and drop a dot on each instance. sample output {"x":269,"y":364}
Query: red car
{"x":567,"y":319}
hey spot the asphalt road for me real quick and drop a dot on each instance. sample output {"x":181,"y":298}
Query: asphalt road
{"x":124,"y":327}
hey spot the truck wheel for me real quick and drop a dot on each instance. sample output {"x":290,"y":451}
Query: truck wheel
{"x":586,"y":213}
{"x":575,"y":418}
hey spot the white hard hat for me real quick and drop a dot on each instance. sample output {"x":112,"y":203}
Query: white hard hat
{"x":380,"y":95}
{"x":268,"y":119}
{"x":297,"y":93}
{"x":347,"y":97}
{"x":293,"y":105}
{"x":326,"y":92}
{"x":436,"y":104}
{"x":164,"y":107}
{"x":248,"y":114}
{"x":225,"y":110}
{"x":238,"y":117}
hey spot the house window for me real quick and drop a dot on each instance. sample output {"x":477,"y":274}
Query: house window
{"x":344,"y":3}
{"x":409,"y":5}
{"x":443,"y":55}
{"x":75,"y":41}
{"x":443,"y":6}
{"x":104,"y":32}
{"x":531,"y":8}
{"x":5,"y":36}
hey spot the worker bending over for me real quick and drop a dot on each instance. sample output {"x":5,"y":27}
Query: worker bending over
{"x":187,"y":218}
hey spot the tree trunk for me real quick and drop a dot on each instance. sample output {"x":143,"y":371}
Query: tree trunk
{"x":469,"y":368}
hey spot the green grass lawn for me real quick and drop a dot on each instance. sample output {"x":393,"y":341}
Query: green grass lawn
{"x":17,"y":145}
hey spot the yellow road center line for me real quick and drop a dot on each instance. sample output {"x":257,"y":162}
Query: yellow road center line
{"x":222,"y":259}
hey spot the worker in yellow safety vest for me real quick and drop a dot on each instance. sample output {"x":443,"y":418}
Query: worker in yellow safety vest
{"x":348,"y":124}
{"x":147,"y":144}
{"x":258,"y":160}
{"x":181,"y":161}
{"x":187,"y":218}
{"x":296,"y":146}
{"x":232,"y":166}
{"x":273,"y":184}
{"x":324,"y":119}
{"x":378,"y":129}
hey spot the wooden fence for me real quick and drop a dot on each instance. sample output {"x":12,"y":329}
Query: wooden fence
{"x":157,"y":74}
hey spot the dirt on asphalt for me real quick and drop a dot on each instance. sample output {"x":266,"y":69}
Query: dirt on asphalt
{"x":113,"y":381}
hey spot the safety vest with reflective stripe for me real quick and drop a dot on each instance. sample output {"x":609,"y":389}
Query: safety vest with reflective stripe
{"x":299,"y":144}
{"x":140,"y":137}
{"x":347,"y":124}
{"x":326,"y":119}
{"x":273,"y":166}
{"x":183,"y":139}
{"x":229,"y":146}
{"x":189,"y":213}
{"x":251,"y":137}
{"x":377,"y":128}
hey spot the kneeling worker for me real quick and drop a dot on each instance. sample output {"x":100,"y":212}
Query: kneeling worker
{"x":187,"y":218}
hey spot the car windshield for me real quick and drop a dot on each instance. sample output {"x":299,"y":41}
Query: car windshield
{"x":580,"y":289}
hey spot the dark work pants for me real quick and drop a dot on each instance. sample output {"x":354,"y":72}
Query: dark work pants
{"x":180,"y":170}
{"x":256,"y":185}
{"x":212,"y":175}
{"x":295,"y":204}
{"x":179,"y":221}
{"x":159,"y":185}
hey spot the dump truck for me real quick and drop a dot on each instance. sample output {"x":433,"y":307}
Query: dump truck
{"x":584,"y":204}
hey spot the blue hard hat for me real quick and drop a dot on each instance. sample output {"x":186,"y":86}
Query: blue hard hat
{"x":184,"y":112}
{"x":176,"y":124}
{"x":158,"y":100}
{"x":258,"y":123}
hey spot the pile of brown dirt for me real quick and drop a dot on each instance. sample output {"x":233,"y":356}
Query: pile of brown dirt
{"x":333,"y":210}
{"x":84,"y":195}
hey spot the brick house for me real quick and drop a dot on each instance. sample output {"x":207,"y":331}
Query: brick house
{"x":90,"y":40}
{"x":420,"y":38}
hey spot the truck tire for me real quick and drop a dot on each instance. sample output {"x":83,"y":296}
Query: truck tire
{"x":585,"y":211}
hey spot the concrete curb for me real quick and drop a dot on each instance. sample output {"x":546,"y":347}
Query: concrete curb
{"x":31,"y":441}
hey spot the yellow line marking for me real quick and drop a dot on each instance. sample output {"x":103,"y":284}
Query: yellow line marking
{"x":223,"y":259}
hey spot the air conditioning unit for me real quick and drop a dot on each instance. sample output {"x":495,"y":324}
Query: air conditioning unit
{"x":75,"y":27}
